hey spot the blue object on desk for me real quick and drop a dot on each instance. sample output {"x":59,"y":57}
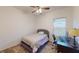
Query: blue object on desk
{"x":62,"y":41}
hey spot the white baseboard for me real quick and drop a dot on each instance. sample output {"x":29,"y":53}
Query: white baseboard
{"x":10,"y":44}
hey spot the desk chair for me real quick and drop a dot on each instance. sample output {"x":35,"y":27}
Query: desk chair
{"x":54,"y":42}
{"x":54,"y":38}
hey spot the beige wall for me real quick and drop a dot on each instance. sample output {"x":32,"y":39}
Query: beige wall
{"x":14,"y":24}
{"x":76,"y":16}
{"x":46,"y":21}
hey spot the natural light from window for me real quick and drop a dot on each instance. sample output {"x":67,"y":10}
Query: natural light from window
{"x":59,"y":26}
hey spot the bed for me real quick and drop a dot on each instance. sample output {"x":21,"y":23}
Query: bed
{"x":34,"y":42}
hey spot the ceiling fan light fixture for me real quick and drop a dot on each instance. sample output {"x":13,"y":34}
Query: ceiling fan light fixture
{"x":39,"y":10}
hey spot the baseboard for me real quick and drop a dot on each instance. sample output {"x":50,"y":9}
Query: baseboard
{"x":10,"y":44}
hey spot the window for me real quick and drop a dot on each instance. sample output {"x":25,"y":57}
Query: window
{"x":59,"y":26}
{"x":76,"y":24}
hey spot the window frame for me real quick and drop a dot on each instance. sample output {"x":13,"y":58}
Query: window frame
{"x":60,"y":18}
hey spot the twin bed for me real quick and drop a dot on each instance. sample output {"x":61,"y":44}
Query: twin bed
{"x":35,"y":41}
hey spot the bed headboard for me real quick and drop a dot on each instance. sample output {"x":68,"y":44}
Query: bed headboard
{"x":44,"y":30}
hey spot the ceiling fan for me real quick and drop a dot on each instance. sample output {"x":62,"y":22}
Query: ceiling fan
{"x":39,"y":9}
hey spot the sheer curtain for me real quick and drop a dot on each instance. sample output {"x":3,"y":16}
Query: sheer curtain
{"x":59,"y":26}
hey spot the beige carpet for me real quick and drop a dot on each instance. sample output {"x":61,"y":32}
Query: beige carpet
{"x":19,"y":49}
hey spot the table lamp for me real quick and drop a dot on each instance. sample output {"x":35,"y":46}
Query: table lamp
{"x":74,"y":32}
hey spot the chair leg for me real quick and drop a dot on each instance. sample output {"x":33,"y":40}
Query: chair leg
{"x":58,"y":51}
{"x":55,"y":47}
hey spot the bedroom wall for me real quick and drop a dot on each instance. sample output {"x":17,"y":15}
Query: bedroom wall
{"x":76,"y":17}
{"x":14,"y":24}
{"x":46,"y":20}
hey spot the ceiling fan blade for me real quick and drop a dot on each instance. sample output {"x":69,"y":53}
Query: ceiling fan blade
{"x":33,"y":11}
{"x":35,"y":6}
{"x":46,"y":8}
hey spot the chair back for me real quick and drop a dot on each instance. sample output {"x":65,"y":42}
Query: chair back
{"x":54,"y":37}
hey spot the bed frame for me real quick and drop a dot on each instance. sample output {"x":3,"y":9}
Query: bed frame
{"x":44,"y":30}
{"x":25,"y":45}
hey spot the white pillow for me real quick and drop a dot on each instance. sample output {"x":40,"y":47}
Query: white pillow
{"x":41,"y":33}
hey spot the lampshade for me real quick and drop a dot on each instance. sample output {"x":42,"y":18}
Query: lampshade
{"x":74,"y":32}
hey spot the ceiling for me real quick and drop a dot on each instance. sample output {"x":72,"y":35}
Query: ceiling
{"x":29,"y":9}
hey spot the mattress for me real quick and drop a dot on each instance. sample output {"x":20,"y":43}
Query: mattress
{"x":35,"y":40}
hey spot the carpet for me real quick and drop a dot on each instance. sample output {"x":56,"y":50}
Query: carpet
{"x":48,"y":48}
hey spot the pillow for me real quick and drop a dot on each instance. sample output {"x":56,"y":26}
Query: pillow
{"x":40,"y":33}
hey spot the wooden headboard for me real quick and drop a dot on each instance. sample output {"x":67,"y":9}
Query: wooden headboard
{"x":44,"y":30}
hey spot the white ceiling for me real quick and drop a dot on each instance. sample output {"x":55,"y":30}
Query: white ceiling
{"x":29,"y":9}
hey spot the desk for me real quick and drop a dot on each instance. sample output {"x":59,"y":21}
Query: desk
{"x":65,"y":47}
